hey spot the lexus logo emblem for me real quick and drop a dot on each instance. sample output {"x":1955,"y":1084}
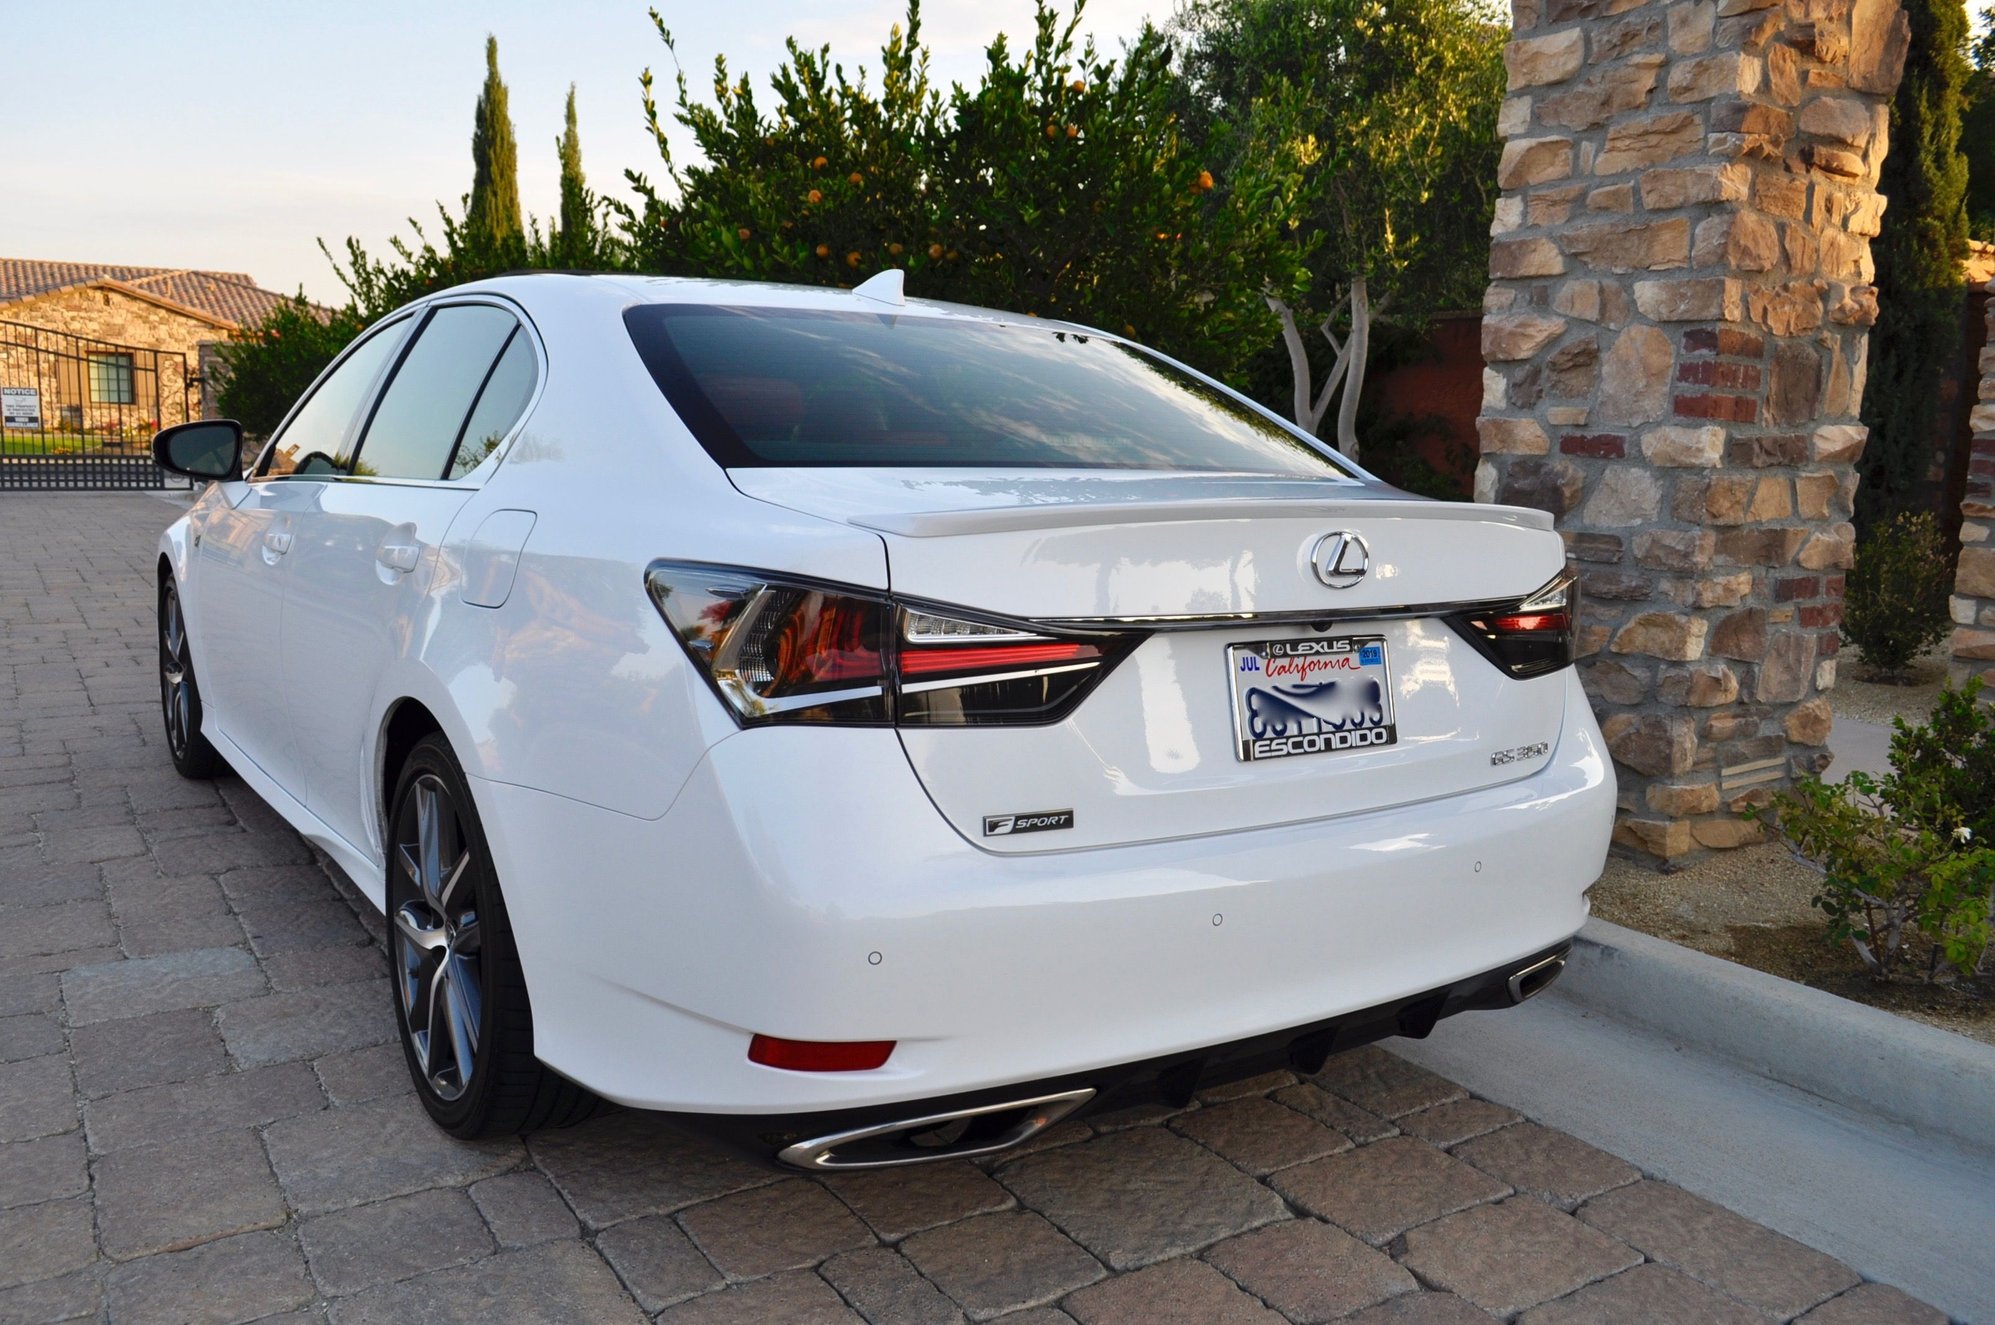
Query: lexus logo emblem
{"x":1341,"y":559}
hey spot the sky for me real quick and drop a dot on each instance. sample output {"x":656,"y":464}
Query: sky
{"x":232,"y":135}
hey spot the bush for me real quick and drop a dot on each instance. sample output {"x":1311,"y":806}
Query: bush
{"x":1905,"y":859}
{"x":1895,"y":600}
{"x":1943,"y":773}
{"x":1063,"y":183}
{"x":266,"y":369}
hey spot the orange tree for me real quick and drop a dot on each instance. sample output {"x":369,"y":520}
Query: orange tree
{"x":1063,"y":184}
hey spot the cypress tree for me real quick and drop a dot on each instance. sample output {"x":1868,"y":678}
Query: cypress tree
{"x":494,"y":210}
{"x":1977,"y":138}
{"x":1918,"y":253}
{"x":578,"y":225}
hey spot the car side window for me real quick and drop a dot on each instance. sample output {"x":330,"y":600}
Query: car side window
{"x":314,"y":443}
{"x":422,"y":413}
{"x":499,"y":406}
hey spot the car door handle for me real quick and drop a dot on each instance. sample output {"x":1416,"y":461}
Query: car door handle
{"x":397,"y":555}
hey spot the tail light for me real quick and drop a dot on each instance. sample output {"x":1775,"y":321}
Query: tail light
{"x":792,"y":650}
{"x":1532,"y":636}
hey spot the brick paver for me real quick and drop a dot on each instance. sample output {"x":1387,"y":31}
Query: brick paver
{"x":204,"y":1115}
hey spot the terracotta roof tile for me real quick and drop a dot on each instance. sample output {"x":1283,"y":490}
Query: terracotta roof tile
{"x":231,"y":296}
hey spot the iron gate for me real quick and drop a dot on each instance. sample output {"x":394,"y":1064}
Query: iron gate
{"x":78,"y":413}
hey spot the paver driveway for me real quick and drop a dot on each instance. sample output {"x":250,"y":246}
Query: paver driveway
{"x":203,"y":1117}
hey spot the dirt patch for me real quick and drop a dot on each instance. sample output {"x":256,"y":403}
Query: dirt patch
{"x":1752,"y":906}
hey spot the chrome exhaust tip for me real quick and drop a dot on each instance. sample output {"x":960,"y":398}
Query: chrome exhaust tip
{"x":958,"y":1134}
{"x":1536,"y":978}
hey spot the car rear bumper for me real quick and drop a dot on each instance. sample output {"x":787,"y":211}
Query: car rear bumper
{"x":802,"y":886}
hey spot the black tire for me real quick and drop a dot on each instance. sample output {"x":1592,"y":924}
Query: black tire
{"x":453,"y":968}
{"x":180,"y":693}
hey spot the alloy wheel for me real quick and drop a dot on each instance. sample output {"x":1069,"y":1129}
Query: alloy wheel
{"x":437,"y":968}
{"x":175,"y":687}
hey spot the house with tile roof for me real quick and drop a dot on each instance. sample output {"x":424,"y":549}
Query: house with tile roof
{"x":128,"y":340}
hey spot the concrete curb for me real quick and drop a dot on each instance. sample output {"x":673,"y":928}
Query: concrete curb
{"x":1857,"y":1056}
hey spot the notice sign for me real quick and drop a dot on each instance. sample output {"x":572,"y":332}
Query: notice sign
{"x":21,"y":406}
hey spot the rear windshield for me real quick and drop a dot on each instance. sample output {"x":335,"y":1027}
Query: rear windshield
{"x":782,"y":387}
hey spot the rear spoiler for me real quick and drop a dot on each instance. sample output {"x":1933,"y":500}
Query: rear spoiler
{"x":1070,"y":515}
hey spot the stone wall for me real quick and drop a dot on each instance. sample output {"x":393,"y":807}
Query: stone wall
{"x":1675,"y":333}
{"x":1973,"y":644}
{"x":121,"y":320}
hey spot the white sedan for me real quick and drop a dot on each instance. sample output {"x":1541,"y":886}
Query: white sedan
{"x":872,"y":729}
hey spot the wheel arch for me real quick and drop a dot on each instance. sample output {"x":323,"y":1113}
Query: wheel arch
{"x":405,"y":722}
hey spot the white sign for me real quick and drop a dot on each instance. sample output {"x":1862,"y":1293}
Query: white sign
{"x":21,"y":406}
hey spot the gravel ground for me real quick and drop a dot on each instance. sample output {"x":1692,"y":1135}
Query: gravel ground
{"x":1855,"y":697}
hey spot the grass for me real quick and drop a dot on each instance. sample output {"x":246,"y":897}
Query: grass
{"x":56,"y":443}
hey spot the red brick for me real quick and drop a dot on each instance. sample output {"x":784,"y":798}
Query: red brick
{"x":1603,"y":445}
{"x":1726,"y":376}
{"x":1815,"y":616}
{"x":1723,"y":340}
{"x":1792,"y":587}
{"x":1736,"y":409}
{"x":1828,"y":644}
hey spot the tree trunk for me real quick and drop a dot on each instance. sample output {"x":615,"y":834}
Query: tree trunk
{"x":1356,"y":350}
{"x":1347,"y":368}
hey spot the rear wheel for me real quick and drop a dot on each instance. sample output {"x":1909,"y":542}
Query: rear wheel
{"x":179,"y":694}
{"x":460,"y":997}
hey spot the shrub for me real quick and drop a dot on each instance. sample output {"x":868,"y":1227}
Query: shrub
{"x":1943,"y":772}
{"x":1063,"y":183}
{"x":1905,"y":859}
{"x":1895,"y":600}
{"x":266,"y":369}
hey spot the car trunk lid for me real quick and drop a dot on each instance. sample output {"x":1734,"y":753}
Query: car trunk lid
{"x":1215,"y":570}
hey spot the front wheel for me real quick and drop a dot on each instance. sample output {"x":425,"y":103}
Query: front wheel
{"x":179,"y":693}
{"x":460,"y":997}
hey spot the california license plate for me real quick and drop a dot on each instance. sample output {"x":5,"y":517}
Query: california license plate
{"x":1310,"y":696}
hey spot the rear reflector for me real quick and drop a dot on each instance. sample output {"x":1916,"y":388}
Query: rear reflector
{"x":819,"y":1055}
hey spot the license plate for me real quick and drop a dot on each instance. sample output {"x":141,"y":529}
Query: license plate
{"x":1310,"y":696}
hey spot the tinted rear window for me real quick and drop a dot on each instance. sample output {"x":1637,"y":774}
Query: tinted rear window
{"x":781,"y":387}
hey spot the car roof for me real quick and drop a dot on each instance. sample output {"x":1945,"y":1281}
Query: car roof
{"x":534,"y":287}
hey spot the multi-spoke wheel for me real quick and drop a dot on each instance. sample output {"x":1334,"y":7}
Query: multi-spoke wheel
{"x":436,"y":943}
{"x":179,"y":696}
{"x":460,"y":999}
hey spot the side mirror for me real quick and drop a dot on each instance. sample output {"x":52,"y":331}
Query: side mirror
{"x":205,"y":449}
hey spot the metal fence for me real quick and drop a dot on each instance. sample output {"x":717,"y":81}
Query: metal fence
{"x":79,"y":413}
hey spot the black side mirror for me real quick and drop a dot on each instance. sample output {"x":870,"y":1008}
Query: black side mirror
{"x":204,"y":449}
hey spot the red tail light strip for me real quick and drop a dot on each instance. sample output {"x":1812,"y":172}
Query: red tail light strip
{"x":992,"y":657}
{"x":1518,"y":622}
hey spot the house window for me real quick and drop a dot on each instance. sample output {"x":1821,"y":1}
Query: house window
{"x":111,"y":380}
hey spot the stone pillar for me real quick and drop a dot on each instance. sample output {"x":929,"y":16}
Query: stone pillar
{"x":1973,"y":644}
{"x":1675,"y":334}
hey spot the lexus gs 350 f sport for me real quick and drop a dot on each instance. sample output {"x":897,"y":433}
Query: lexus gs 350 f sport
{"x":872,"y":730}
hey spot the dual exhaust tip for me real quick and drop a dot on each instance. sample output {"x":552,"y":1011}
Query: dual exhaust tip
{"x":958,"y":1134}
{"x":989,"y":1128}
